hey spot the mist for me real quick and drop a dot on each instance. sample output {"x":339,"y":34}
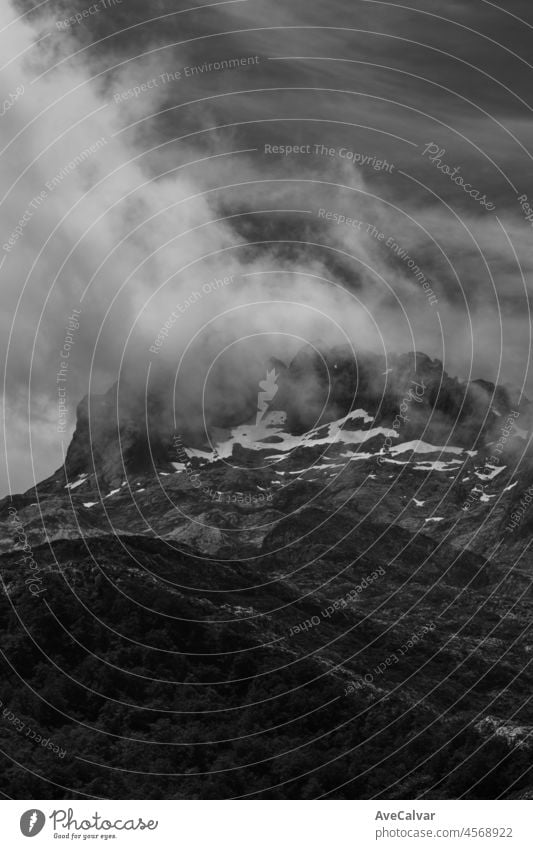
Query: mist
{"x":147,"y":199}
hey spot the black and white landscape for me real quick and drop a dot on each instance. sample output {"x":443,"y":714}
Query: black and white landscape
{"x":267,"y":478}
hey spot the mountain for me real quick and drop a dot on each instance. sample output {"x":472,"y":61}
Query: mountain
{"x":327,"y":597}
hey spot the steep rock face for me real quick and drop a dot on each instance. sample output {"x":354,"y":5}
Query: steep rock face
{"x":325,"y":384}
{"x":429,"y":469}
{"x":114,"y":439}
{"x":122,"y":433}
{"x":424,"y":470}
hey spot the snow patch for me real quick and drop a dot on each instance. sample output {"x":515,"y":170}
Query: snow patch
{"x":314,"y":468}
{"x":82,"y":478}
{"x":437,"y":466}
{"x":254,"y":437}
{"x":357,"y":455}
{"x":419,"y":447}
{"x":490,"y":475}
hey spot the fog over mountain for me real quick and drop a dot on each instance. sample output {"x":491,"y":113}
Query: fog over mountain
{"x":265,"y":323}
{"x":168,"y":201}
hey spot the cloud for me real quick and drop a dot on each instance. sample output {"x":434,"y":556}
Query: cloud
{"x":131,"y":186}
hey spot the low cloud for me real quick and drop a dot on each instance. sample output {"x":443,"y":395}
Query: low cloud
{"x":126,"y":198}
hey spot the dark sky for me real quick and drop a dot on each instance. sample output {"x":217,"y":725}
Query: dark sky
{"x":184,"y":191}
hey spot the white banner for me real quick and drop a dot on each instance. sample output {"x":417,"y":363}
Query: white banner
{"x":267,"y":824}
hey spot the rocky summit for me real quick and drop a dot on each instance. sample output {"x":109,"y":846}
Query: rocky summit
{"x":326,"y":594}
